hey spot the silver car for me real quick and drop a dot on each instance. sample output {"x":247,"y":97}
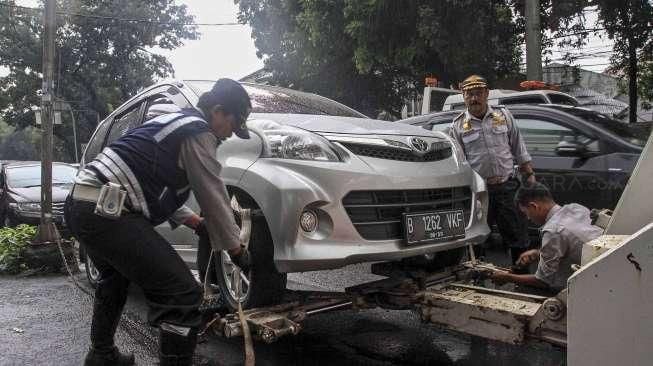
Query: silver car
{"x":327,"y":186}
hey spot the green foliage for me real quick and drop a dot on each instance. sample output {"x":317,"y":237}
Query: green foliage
{"x":372,"y":54}
{"x":12,"y":244}
{"x":630,"y":24}
{"x":100,"y":62}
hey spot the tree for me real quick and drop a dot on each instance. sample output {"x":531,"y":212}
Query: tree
{"x":102,"y":56}
{"x":630,"y":24}
{"x":372,"y":54}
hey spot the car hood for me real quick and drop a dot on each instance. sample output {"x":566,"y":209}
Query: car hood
{"x":343,"y":125}
{"x":33,"y":194}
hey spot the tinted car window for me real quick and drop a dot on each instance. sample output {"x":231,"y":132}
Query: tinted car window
{"x":636,"y":135}
{"x":124,"y":123}
{"x":562,"y":99}
{"x":95,"y":145}
{"x":542,"y":137}
{"x":30,"y":176}
{"x":530,"y":99}
{"x":268,"y":99}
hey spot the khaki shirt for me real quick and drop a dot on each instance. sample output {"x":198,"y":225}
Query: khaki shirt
{"x":492,"y":145}
{"x":566,"y":229}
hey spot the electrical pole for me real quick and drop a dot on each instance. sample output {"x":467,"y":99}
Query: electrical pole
{"x":533,"y":41}
{"x":47,"y":232}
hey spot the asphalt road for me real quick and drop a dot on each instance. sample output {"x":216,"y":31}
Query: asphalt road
{"x":45,"y":320}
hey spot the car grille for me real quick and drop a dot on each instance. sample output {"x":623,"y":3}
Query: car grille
{"x":377,"y":215}
{"x":390,"y":153}
{"x":57,"y":208}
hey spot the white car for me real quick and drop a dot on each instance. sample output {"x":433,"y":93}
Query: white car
{"x":328,"y":187}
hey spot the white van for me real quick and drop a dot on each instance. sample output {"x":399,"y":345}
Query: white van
{"x":505,"y":97}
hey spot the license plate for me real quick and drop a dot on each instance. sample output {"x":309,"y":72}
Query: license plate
{"x":426,"y":227}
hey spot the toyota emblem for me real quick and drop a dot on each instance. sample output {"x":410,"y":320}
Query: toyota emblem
{"x":419,"y":145}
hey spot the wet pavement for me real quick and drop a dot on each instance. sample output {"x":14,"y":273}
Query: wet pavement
{"x":45,"y":320}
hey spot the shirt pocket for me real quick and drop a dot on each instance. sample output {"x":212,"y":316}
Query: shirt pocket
{"x":500,"y":135}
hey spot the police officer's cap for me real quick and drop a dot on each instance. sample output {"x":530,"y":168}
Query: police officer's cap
{"x":232,"y":98}
{"x":473,"y":82}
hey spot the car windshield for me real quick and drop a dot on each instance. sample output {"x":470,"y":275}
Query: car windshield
{"x":30,"y":175}
{"x":636,"y":134}
{"x":269,"y":99}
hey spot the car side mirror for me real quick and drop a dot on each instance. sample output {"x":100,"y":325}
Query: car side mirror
{"x":571,"y":148}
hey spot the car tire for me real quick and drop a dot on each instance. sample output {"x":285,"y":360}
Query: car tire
{"x":266,"y":284}
{"x":92,"y":273}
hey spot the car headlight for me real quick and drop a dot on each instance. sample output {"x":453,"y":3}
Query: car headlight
{"x":293,"y":143}
{"x":29,"y":206}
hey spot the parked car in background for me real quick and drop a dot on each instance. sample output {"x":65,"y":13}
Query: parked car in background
{"x":581,"y":155}
{"x":20,"y":192}
{"x":510,"y":97}
{"x":327,"y":185}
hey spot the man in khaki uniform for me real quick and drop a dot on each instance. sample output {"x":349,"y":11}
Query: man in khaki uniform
{"x":492,"y":144}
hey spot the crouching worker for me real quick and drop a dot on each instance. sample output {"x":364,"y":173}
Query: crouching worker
{"x":136,"y":183}
{"x":564,"y":231}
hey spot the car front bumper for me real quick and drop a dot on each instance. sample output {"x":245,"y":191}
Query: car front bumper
{"x":285,"y":188}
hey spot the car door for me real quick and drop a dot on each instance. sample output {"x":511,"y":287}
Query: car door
{"x":571,"y":177}
{"x":164,"y":100}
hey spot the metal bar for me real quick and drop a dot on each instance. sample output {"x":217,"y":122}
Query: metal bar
{"x":512,"y":295}
{"x":343,"y":305}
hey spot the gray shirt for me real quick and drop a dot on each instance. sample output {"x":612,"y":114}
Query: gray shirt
{"x":566,"y":229}
{"x":493,"y":144}
{"x":197,"y":158}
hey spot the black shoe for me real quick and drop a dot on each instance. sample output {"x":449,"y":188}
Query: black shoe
{"x":113,"y":357}
{"x":176,"y":349}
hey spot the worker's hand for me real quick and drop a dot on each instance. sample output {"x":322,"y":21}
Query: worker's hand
{"x":200,"y":228}
{"x":193,"y":222}
{"x":528,"y":257}
{"x":500,"y":277}
{"x":240,"y":257}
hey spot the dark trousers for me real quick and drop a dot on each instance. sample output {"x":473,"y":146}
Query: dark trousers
{"x":130,"y":250}
{"x":503,"y":211}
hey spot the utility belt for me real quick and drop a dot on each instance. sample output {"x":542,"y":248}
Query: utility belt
{"x":109,"y":198}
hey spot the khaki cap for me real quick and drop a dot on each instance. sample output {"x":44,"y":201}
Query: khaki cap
{"x":473,"y":82}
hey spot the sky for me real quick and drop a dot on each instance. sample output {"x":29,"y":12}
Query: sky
{"x":228,"y":51}
{"x":221,"y":51}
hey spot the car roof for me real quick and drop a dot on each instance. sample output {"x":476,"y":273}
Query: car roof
{"x":505,"y":93}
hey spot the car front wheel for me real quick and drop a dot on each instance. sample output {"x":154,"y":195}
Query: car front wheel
{"x":263,"y":285}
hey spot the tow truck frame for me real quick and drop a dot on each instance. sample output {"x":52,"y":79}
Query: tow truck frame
{"x":450,"y":298}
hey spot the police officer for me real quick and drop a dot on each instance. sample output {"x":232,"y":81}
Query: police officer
{"x":564,"y":231}
{"x":139,"y":181}
{"x":492,"y":144}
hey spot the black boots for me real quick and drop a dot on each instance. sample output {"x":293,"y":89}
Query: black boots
{"x":110,"y":298}
{"x":111,"y":357}
{"x":177,"y":345}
